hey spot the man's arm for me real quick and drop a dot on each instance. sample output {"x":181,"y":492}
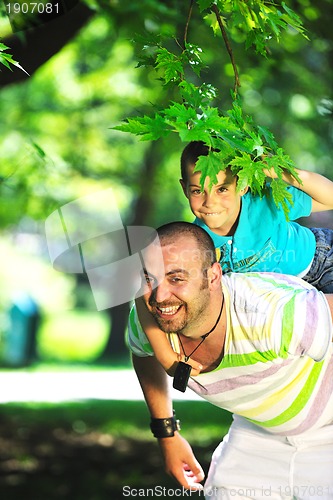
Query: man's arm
{"x":179,"y":459}
{"x":154,"y":384}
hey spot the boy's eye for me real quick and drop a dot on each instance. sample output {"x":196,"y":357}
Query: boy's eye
{"x":196,"y":191}
{"x":222,"y":189}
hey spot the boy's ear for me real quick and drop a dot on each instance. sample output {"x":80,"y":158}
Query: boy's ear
{"x":183,"y":185}
{"x":215,"y":276}
{"x":243,"y":191}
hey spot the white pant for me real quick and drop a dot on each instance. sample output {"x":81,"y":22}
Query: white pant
{"x":251,"y":463}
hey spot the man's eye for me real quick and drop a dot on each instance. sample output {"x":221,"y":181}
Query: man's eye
{"x":149,"y":279}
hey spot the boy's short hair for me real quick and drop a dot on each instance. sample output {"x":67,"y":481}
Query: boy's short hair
{"x":190,"y":156}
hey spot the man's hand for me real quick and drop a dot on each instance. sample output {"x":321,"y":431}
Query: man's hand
{"x":181,"y":463}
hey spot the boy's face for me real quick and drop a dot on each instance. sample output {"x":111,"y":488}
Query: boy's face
{"x":218,"y":207}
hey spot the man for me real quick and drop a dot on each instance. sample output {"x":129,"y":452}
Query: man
{"x":264,"y":342}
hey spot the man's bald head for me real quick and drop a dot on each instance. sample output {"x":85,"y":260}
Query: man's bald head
{"x":172,"y":232}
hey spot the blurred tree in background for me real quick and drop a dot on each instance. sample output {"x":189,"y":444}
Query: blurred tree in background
{"x":57,"y":142}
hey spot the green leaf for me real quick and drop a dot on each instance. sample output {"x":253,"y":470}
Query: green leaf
{"x":180,"y":112}
{"x":212,"y":119}
{"x":294,"y":20}
{"x":256,"y":39}
{"x":170,"y":64}
{"x":209,"y":166}
{"x":145,"y":61}
{"x":205,"y":4}
{"x":281,"y":196}
{"x":255,"y":143}
{"x":236,"y":140}
{"x":4,"y":61}
{"x":225,"y":151}
{"x":268,"y":136}
{"x":193,"y":134}
{"x":281,"y":161}
{"x":7,"y":60}
{"x":41,"y":153}
{"x":236,"y":114}
{"x":192,"y":55}
{"x":250,"y":173}
{"x":197,"y":97}
{"x":275,"y":24}
{"x":149,"y":129}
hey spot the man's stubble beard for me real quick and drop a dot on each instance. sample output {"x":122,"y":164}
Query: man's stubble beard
{"x":192,"y":316}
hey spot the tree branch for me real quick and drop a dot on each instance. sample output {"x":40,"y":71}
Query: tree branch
{"x":228,"y":46}
{"x":188,"y":22}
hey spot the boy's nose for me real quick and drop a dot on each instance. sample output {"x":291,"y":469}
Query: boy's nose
{"x":208,"y":201}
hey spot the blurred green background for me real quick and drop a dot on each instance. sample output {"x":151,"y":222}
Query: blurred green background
{"x":56,"y":146}
{"x":57,"y":142}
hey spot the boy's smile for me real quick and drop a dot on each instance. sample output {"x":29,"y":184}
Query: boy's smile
{"x":218,"y":207}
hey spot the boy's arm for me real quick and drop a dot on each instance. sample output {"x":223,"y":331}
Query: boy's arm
{"x":315,"y":185}
{"x":179,"y":459}
{"x":159,"y":342}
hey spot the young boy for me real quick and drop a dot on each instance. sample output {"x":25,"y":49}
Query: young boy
{"x":251,"y":234}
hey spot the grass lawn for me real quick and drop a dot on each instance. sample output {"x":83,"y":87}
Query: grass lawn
{"x":94,"y":449}
{"x":91,"y":450}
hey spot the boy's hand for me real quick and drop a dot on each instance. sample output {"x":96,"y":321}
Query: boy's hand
{"x":196,"y":367}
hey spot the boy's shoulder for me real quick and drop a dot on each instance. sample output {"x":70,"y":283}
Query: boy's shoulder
{"x":255,"y":206}
{"x":267,"y":199}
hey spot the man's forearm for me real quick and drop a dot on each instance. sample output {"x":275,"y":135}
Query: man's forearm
{"x":155,"y":386}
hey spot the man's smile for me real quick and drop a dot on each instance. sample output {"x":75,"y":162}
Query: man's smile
{"x":168,"y":311}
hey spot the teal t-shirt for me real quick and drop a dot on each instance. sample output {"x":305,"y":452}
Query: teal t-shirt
{"x":264,"y":240}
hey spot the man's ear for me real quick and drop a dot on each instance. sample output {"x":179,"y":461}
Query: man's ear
{"x":214,"y":276}
{"x":183,"y":185}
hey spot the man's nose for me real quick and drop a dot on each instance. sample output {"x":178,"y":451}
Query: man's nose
{"x":162,"y":292}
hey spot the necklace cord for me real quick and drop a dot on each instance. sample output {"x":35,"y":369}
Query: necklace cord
{"x":203,"y":337}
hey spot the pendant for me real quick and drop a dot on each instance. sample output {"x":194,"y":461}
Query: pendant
{"x":182,"y":374}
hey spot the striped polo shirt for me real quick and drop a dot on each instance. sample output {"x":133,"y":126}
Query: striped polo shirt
{"x":277,"y":369}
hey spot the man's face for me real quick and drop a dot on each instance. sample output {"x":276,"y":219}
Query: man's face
{"x":180,"y":301}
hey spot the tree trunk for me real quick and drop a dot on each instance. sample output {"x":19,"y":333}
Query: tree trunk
{"x":39,"y":44}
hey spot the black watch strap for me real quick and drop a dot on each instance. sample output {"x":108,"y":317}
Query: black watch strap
{"x":164,"y":427}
